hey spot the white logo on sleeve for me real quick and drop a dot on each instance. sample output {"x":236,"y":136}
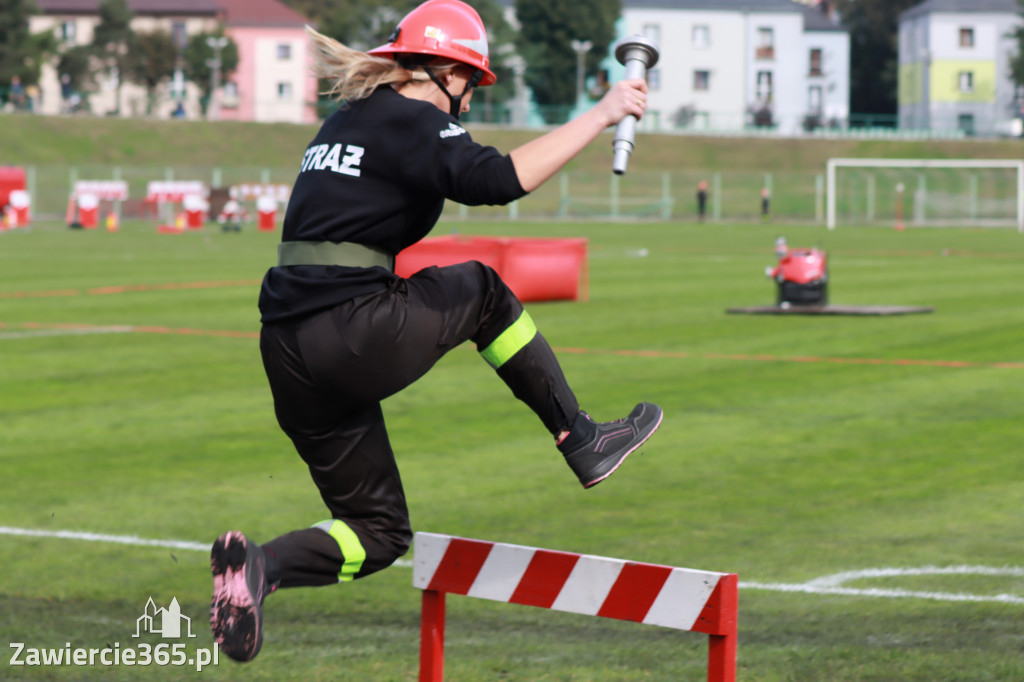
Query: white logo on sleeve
{"x":453,"y":131}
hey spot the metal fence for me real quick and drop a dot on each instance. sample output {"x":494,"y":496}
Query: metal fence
{"x":732,"y":196}
{"x":974,"y":197}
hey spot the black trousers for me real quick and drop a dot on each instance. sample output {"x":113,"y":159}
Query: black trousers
{"x":329,"y":373}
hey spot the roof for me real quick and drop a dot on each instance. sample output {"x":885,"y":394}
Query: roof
{"x":815,"y":19}
{"x":261,"y":13}
{"x":718,"y":5}
{"x":973,"y":6}
{"x":159,"y":7}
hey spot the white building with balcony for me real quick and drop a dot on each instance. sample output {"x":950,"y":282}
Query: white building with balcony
{"x":730,"y":65}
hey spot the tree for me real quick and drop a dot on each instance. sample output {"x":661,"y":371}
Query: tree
{"x":1017,"y":59}
{"x":874,"y":52}
{"x":150,"y":62}
{"x":501,"y":40}
{"x":361,"y":24}
{"x":199,"y":61}
{"x":545,"y":41}
{"x":21,"y":52}
{"x":365,"y":24}
{"x":112,"y":40}
{"x":77,"y":64}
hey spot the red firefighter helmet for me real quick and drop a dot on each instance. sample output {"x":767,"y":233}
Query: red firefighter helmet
{"x":445,"y":28}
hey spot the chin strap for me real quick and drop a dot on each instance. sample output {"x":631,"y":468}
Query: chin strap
{"x":456,"y":100}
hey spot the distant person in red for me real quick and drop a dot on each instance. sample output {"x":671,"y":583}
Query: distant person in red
{"x":341,"y":332}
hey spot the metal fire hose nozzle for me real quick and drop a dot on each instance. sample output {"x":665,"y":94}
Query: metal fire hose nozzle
{"x":638,"y":54}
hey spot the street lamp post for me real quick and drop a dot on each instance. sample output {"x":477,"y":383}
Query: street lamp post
{"x":581,"y":47}
{"x":216,"y":43}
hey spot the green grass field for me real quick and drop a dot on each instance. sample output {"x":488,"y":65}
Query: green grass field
{"x":133,"y":402}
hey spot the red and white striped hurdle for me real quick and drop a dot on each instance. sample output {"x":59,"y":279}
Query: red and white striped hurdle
{"x":680,"y":598}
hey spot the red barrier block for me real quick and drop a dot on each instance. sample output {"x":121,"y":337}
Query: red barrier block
{"x":545,"y":269}
{"x":442,"y":251}
{"x":535,"y":269}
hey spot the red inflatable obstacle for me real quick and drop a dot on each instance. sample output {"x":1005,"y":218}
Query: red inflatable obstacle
{"x":90,"y":198}
{"x":14,"y":199}
{"x":16,"y":214}
{"x":535,"y":269}
{"x":12,"y":178}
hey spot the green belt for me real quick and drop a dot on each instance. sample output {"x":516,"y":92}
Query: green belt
{"x":347,"y":254}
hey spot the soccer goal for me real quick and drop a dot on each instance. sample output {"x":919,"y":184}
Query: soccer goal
{"x":926,"y":192}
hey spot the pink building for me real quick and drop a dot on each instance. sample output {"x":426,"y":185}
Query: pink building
{"x":274,"y":80}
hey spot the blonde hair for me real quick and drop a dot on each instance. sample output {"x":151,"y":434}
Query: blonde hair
{"x":353,"y":75}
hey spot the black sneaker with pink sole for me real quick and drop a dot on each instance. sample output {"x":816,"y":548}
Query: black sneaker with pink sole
{"x":239,"y":587}
{"x":593,"y":450}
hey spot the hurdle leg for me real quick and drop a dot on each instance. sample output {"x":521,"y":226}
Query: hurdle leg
{"x":722,"y":647}
{"x":432,"y":637}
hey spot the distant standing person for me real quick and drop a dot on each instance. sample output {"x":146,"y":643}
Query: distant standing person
{"x":765,"y":204}
{"x":34,"y":97}
{"x":65,"y":93}
{"x":16,"y":93}
{"x":702,"y":199}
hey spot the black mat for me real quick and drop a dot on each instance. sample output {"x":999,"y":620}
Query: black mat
{"x":832,"y":310}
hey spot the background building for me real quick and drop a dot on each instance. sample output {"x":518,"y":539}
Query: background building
{"x":730,"y":65}
{"x":274,"y":81}
{"x":73,"y":23}
{"x":954,"y":72}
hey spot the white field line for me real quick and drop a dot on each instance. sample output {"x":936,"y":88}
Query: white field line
{"x":830,"y":584}
{"x":836,"y":583}
{"x":125,"y":540}
{"x":36,"y":333}
{"x":100,"y":537}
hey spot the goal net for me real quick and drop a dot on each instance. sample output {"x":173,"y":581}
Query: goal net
{"x":925,"y":192}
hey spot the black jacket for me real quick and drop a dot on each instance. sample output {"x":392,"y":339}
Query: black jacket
{"x":377,"y":174}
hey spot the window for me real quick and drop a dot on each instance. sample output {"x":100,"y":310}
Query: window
{"x":653,"y":31}
{"x":966,"y":37}
{"x":965,"y":122}
{"x":229,"y":96}
{"x":701,"y":36}
{"x":654,"y":79}
{"x":179,"y":35}
{"x":816,"y":61}
{"x":765,"y":43}
{"x":814,"y":99}
{"x":284,"y":91}
{"x":701,"y":80}
{"x":965,"y":81}
{"x":284,"y":52}
{"x":67,"y":32}
{"x":764,"y":87}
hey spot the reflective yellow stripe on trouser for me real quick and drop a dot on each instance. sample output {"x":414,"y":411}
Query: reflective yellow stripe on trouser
{"x":510,"y":341}
{"x":352,"y":551}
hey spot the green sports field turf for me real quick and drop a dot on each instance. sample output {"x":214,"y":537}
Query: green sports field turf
{"x":133,"y":403}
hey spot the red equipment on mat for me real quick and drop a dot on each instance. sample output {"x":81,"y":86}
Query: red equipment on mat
{"x":801,"y":276}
